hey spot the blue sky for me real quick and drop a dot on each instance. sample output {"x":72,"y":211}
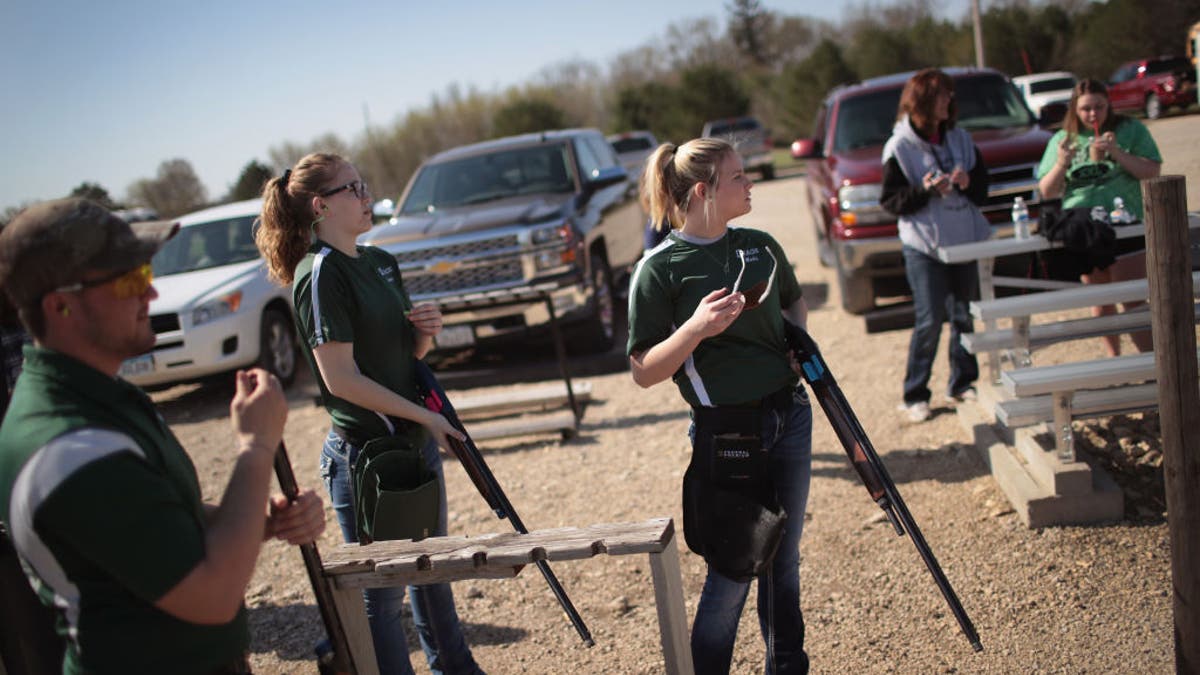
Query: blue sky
{"x":105,"y":91}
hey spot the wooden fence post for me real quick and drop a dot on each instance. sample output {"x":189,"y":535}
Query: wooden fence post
{"x":1168,"y":263}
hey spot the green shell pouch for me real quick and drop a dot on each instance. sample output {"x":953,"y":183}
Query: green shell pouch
{"x":396,"y":495}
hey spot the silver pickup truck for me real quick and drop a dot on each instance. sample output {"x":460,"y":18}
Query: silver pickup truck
{"x":489,"y":230}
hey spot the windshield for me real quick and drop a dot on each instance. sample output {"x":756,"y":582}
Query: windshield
{"x":987,"y":102}
{"x":1057,"y":84}
{"x":484,"y":178}
{"x":633,"y":144}
{"x":199,"y":247}
{"x":866,"y":120}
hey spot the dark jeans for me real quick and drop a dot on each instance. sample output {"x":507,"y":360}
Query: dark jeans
{"x":940,"y":292}
{"x":787,"y":433}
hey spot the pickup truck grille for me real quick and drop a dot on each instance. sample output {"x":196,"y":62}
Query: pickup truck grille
{"x":1005,"y":183}
{"x":464,"y":249}
{"x":500,"y":273}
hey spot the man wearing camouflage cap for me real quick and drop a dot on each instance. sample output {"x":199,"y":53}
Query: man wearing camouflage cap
{"x":103,"y":504}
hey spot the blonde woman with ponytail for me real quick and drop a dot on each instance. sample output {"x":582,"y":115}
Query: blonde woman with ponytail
{"x":362,"y":335}
{"x":706,"y":309}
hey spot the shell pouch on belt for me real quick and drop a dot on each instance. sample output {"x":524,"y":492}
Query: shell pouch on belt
{"x":731,"y":515}
{"x":396,"y":495}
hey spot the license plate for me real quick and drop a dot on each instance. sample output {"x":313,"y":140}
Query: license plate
{"x":137,"y":366}
{"x":456,"y":336}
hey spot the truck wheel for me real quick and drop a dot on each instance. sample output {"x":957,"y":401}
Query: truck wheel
{"x":768,"y":172}
{"x":597,"y":333}
{"x":277,"y":346}
{"x":858,"y":293}
{"x":1153,"y":107}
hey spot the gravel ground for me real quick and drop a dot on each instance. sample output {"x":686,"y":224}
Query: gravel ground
{"x":1057,"y":600}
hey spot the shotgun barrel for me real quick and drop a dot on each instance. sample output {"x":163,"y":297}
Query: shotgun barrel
{"x":866,"y":462}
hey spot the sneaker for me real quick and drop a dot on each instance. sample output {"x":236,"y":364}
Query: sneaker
{"x":917,"y":412}
{"x":968,"y":394}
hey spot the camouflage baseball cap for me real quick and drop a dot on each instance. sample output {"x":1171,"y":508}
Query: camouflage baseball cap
{"x":54,"y":244}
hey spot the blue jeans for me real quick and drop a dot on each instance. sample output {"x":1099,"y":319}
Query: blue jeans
{"x":787,"y":433}
{"x":939,"y":291}
{"x":433,"y":610}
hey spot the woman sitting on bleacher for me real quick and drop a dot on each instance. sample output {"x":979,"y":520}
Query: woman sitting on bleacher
{"x":1096,"y":157}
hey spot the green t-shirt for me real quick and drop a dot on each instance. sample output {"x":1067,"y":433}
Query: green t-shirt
{"x":105,"y":509}
{"x":747,"y":361}
{"x":360,"y":300}
{"x":1097,"y":183}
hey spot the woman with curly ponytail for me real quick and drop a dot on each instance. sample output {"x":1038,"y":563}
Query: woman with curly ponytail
{"x":361,"y":337}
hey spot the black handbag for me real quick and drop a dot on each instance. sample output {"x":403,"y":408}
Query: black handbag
{"x":731,"y":514}
{"x":396,"y":495}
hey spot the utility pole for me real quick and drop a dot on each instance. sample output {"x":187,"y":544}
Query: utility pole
{"x":975,"y":19}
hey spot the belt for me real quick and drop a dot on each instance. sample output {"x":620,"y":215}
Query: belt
{"x":776,"y":400}
{"x":241,"y":666}
{"x":349,"y":436}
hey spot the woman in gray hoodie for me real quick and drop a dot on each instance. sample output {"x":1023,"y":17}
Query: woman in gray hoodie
{"x":934,"y":180}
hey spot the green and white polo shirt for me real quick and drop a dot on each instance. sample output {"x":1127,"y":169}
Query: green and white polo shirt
{"x":747,"y":361}
{"x":105,"y":510}
{"x":359,"y":300}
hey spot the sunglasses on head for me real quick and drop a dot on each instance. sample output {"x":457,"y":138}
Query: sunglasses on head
{"x":756,"y":294}
{"x":358,"y":187}
{"x":128,"y":284}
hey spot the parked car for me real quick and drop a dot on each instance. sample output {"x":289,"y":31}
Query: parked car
{"x":843,"y":181}
{"x":1040,"y":89}
{"x":752,"y":141}
{"x":215,"y":311}
{"x":1153,"y":85}
{"x":633,"y":148}
{"x":485,"y":230}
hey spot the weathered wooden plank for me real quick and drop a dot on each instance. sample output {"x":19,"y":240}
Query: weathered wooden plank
{"x":546,"y":397}
{"x":504,"y":549}
{"x":533,"y":424}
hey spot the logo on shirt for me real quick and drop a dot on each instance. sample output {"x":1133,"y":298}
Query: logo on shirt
{"x":387,"y":273}
{"x":752,"y":254}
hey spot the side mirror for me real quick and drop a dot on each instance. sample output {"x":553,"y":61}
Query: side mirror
{"x":806,"y":148}
{"x":606,"y":176}
{"x":1052,"y":115}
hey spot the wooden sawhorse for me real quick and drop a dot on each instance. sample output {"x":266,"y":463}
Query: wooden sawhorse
{"x":351,"y":568}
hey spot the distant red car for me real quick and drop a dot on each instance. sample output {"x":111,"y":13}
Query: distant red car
{"x":845,"y":172}
{"x":1153,"y":85}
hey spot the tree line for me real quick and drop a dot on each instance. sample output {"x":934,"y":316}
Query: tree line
{"x":757,"y":61}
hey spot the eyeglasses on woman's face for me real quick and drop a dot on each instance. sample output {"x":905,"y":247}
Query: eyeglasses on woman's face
{"x":358,"y":187}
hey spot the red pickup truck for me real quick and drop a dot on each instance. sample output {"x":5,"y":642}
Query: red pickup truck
{"x":1153,"y":85}
{"x":845,"y":172}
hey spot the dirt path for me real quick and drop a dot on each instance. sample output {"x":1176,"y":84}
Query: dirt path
{"x":1078,"y":599}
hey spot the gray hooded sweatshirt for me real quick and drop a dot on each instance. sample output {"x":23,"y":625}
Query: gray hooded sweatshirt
{"x":944,"y":221}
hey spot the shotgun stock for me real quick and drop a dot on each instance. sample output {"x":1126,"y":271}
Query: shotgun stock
{"x":866,"y":462}
{"x":434,"y":398}
{"x":338,"y":660}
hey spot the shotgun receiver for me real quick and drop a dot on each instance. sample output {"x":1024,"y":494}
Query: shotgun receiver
{"x":867,"y":464}
{"x":337,"y":661}
{"x":434,"y":398}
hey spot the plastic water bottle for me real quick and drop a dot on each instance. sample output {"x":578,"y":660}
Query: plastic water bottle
{"x":1020,"y":218}
{"x":1120,"y":215}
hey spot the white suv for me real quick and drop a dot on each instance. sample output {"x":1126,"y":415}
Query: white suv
{"x":215,"y":311}
{"x":1042,"y":89}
